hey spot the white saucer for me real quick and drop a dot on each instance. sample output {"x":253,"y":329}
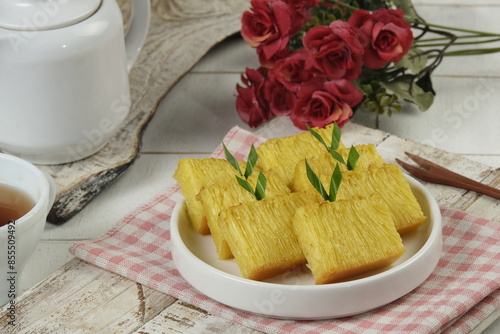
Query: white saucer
{"x":293,"y":295}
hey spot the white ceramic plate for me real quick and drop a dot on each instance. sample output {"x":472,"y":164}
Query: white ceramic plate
{"x":293,"y":295}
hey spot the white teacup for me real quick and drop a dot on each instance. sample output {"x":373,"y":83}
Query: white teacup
{"x":19,"y":240}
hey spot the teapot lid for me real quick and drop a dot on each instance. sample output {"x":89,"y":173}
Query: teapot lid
{"x":33,"y":15}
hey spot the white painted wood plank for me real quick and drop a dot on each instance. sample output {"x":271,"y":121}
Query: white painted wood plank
{"x":81,"y":298}
{"x":468,"y":15}
{"x":490,"y":160}
{"x":233,"y":55}
{"x":195,"y":116}
{"x":483,"y":18}
{"x":463,"y":119}
{"x":184,"y":318}
{"x":47,"y":258}
{"x":491,"y":328}
{"x":461,"y":3}
{"x":483,"y":206}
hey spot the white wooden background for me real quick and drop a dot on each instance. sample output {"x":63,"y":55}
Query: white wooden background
{"x":199,"y":110}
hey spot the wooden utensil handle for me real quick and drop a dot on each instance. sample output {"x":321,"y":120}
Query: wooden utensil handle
{"x":484,"y":189}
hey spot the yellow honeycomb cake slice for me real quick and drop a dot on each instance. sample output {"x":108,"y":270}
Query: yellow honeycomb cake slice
{"x":324,"y":164}
{"x":192,"y":175}
{"x":346,"y":238}
{"x":219,"y":196}
{"x":390,"y":182}
{"x":282,"y":154}
{"x":261,"y":237}
{"x":387,"y":180}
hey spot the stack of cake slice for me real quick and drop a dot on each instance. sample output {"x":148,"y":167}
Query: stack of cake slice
{"x":293,"y":225}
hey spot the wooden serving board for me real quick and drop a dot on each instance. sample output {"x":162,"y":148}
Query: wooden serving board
{"x":82,"y":298}
{"x":180,"y":34}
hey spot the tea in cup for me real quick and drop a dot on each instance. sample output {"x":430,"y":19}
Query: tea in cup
{"x":14,"y":203}
{"x":26,"y":196}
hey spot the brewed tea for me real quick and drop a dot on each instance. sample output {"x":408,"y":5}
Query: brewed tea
{"x":14,"y":203}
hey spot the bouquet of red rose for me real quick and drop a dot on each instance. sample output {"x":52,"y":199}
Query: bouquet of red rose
{"x":320,"y":59}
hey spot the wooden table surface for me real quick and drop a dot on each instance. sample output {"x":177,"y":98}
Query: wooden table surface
{"x":61,"y":294}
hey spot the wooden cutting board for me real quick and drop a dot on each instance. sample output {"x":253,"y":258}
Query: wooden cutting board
{"x":180,"y":34}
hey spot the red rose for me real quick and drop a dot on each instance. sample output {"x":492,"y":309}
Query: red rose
{"x":269,"y":24}
{"x":292,"y":72}
{"x":303,"y":4}
{"x":389,"y":36}
{"x":281,"y":100}
{"x":251,"y":103}
{"x":269,"y":62}
{"x":332,"y":103}
{"x":336,"y":49}
{"x":304,"y":8}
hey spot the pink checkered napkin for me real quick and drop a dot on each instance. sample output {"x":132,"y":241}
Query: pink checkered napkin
{"x":461,"y":292}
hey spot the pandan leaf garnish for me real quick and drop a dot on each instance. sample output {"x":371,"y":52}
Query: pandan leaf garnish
{"x":335,"y":181}
{"x":353,"y":155}
{"x":336,"y":178}
{"x":260,"y":186}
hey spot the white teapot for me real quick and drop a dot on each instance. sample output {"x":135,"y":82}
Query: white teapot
{"x":64,"y":87}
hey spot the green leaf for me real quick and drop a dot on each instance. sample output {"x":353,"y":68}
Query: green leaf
{"x":315,"y":181}
{"x":379,"y":97}
{"x":414,"y":60}
{"x":410,"y":12}
{"x":231,"y":159}
{"x":336,"y":133}
{"x":336,"y":155}
{"x":366,"y":89}
{"x":426,"y":83}
{"x":335,"y":181}
{"x":317,"y":136}
{"x":352,"y":158}
{"x":372,"y":106}
{"x":401,"y":86}
{"x":384,"y":101}
{"x":251,"y":161}
{"x":260,"y":188}
{"x":245,"y":184}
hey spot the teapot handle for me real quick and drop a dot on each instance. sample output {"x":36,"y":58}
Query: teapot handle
{"x":139,"y":26}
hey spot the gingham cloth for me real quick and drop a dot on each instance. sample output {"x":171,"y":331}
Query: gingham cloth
{"x":462,"y":291}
